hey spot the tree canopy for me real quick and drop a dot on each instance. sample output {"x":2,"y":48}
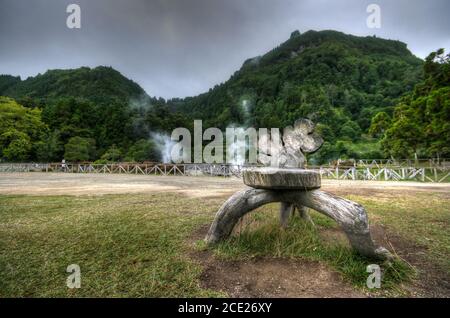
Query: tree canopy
{"x":20,"y":128}
{"x":421,"y":122}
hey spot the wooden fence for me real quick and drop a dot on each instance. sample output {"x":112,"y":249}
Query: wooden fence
{"x":427,"y":174}
{"x":367,"y":171}
{"x":392,"y":163}
{"x":128,"y":168}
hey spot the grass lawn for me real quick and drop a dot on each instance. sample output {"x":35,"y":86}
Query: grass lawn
{"x":138,"y":245}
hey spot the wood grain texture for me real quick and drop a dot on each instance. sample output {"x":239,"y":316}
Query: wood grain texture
{"x":281,"y":178}
{"x":351,"y":216}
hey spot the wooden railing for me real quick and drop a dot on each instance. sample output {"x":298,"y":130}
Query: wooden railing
{"x":362,"y":171}
{"x":128,"y":168}
{"x":427,"y":174}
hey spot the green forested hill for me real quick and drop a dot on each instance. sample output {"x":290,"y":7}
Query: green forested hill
{"x":99,"y":109}
{"x":339,"y":81}
{"x":352,"y":87}
{"x":100,"y":84}
{"x":6,"y":81}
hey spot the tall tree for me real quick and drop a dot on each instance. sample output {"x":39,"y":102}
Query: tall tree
{"x":421,"y":122}
{"x":20,"y":127}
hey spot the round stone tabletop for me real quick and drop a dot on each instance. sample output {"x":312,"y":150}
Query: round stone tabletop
{"x":281,"y":178}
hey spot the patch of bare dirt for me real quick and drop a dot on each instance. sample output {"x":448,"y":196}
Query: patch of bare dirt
{"x":270,"y":277}
{"x":266,"y":277}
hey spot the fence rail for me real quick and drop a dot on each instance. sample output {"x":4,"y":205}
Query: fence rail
{"x":128,"y":168}
{"x":436,"y":174}
{"x":369,"y":171}
{"x":392,"y":163}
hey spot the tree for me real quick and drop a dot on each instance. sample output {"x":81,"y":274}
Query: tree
{"x":437,"y":68}
{"x":143,"y":150}
{"x":79,"y":149}
{"x":20,"y":128}
{"x":403,"y":139}
{"x":113,"y":154}
{"x":50,"y":148}
{"x":350,"y":130}
{"x":421,"y":120}
{"x":18,"y":145}
{"x":437,"y":128}
{"x":380,"y":123}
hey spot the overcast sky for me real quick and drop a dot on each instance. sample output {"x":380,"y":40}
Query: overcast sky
{"x":177,"y":48}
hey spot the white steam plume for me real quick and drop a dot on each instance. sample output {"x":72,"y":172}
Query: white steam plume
{"x":164,"y":145}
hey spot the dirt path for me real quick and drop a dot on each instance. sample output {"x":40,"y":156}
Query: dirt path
{"x":36,"y":183}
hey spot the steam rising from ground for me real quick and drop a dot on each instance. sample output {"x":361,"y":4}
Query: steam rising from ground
{"x":164,"y":145}
{"x":246,"y":109}
{"x":238,"y":158}
{"x":163,"y":142}
{"x":240,"y":147}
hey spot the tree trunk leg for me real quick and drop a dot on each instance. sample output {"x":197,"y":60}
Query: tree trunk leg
{"x":304,"y":214}
{"x":286,"y":210}
{"x":351,"y":216}
{"x":234,"y":208}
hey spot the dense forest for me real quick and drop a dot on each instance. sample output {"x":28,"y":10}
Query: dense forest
{"x":85,"y":114}
{"x":370,"y":98}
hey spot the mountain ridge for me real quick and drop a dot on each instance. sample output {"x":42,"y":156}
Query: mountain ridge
{"x":84,"y":82}
{"x":339,"y":81}
{"x":331,"y":53}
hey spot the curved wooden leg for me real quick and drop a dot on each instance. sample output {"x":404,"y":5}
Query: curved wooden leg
{"x":234,"y":208}
{"x":349,"y":215}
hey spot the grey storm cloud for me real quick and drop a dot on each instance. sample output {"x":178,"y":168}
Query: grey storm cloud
{"x":177,"y":48}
